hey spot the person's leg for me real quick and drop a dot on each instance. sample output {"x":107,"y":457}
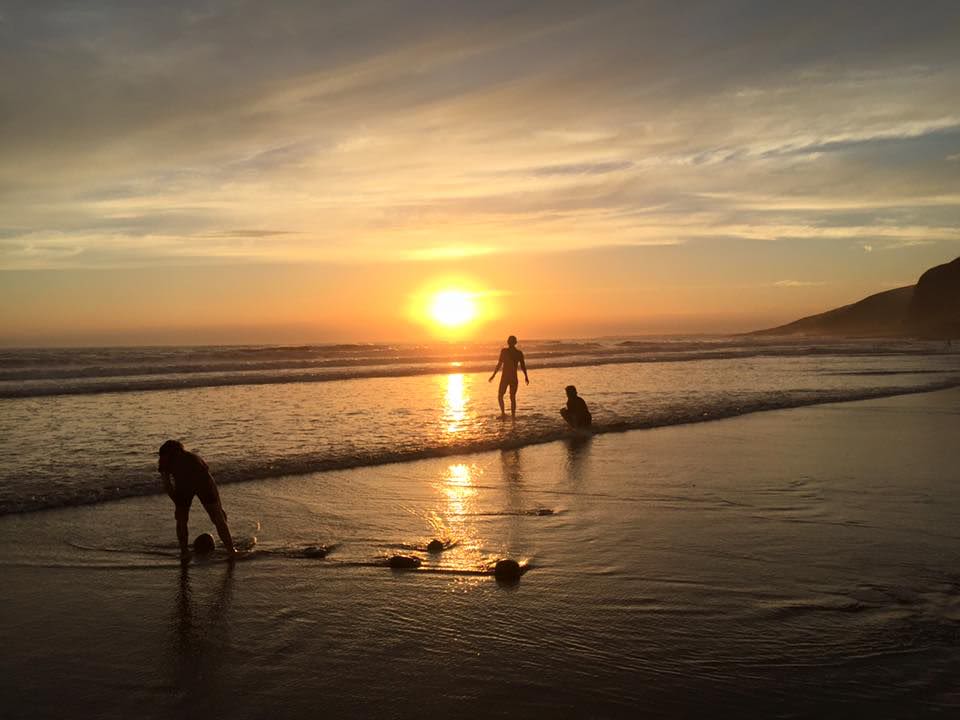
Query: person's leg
{"x":565,"y":413}
{"x":219,"y":519}
{"x":513,"y":398}
{"x":503,"y":389}
{"x":182,"y":514}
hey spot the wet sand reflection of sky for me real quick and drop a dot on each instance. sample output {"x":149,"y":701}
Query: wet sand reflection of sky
{"x":454,"y":519}
{"x":459,"y":489}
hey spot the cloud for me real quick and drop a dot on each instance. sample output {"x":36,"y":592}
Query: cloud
{"x":797,"y":283}
{"x":594,"y":168}
{"x":418,"y":130}
{"x":249,"y":233}
{"x":448,"y":253}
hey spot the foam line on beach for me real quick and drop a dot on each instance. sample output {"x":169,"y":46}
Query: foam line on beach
{"x":308,"y":464}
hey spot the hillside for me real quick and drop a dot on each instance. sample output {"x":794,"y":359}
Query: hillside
{"x":929,"y":309}
{"x":935,"y":307}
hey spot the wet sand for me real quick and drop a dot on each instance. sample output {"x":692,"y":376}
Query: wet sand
{"x":796,"y":563}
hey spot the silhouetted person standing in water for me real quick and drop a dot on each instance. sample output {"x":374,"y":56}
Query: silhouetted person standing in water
{"x":510,"y":358}
{"x":185,"y":475}
{"x":576,"y":412}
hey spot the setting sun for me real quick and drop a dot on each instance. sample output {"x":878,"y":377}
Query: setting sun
{"x":453,"y":308}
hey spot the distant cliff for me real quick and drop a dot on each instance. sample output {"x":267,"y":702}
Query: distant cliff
{"x":929,"y":309}
{"x":935,"y":307}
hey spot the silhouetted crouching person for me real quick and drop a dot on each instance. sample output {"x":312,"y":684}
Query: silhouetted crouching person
{"x":576,"y":413}
{"x":510,"y":358}
{"x":185,"y":475}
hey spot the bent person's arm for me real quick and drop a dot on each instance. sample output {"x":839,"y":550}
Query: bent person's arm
{"x":168,"y":486}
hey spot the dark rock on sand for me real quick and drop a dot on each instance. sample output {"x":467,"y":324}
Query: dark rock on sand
{"x":204,"y":544}
{"x":507,"y":569}
{"x":435,"y":546}
{"x":404,"y":562}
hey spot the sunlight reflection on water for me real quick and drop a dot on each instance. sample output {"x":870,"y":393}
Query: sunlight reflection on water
{"x":454,"y":403}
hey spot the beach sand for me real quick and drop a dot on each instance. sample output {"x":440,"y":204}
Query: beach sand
{"x":795,"y":563}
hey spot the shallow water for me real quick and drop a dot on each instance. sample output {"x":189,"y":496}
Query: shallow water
{"x":72,"y":448}
{"x":798,"y":563}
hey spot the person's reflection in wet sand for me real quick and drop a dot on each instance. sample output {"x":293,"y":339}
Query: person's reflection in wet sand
{"x":578,"y":452}
{"x":200,"y":640}
{"x":511,"y":469}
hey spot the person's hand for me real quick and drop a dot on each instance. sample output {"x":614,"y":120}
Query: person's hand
{"x":526,"y":380}
{"x":490,"y":379}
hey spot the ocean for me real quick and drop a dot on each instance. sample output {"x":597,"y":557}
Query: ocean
{"x":783,"y":561}
{"x":81,"y":426}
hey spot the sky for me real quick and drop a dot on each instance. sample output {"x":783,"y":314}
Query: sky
{"x":220,"y":172}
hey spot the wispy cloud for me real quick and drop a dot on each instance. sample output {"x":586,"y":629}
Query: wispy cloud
{"x":594,"y":168}
{"x":423,"y":131}
{"x":249,"y":233}
{"x":797,"y":283}
{"x":448,"y":253}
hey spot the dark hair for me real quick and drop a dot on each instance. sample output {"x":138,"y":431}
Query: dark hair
{"x":171,"y":446}
{"x":571,"y":390}
{"x":512,"y":340}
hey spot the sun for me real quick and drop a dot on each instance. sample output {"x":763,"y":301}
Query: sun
{"x":452,"y":308}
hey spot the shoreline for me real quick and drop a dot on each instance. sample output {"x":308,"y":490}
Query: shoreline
{"x":278,"y":469}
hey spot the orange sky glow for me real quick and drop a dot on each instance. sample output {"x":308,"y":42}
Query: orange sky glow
{"x":261,"y":174}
